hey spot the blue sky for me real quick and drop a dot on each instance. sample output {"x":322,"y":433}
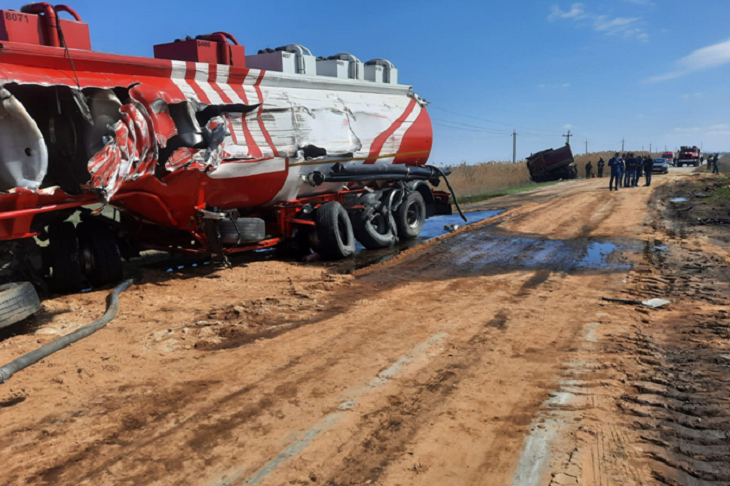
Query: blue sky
{"x":649,"y":71}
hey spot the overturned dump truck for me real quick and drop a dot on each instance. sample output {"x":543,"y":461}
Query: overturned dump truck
{"x":201,"y":150}
{"x":552,"y":165}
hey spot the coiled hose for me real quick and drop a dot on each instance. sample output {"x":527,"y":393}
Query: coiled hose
{"x":112,"y":307}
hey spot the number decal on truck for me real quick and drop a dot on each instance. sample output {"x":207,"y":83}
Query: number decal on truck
{"x":203,"y":44}
{"x":16,"y":17}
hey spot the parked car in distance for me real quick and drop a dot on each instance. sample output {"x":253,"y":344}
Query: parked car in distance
{"x":661,"y":166}
{"x":669,"y":156}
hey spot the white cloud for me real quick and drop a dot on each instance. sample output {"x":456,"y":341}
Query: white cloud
{"x":719,"y":132}
{"x":690,"y":129}
{"x":625,"y":26}
{"x":691,"y":96}
{"x":553,"y":86}
{"x":605,"y":24}
{"x":705,"y":58}
{"x":721,"y":126}
{"x":576,"y":12}
{"x":567,"y":126}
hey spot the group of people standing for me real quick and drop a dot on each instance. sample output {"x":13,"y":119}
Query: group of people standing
{"x":625,"y":171}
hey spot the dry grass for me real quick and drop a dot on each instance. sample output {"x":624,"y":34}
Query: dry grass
{"x":476,"y":179}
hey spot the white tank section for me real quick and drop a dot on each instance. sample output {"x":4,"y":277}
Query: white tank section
{"x":290,"y":59}
{"x":381,"y":71}
{"x":342,"y":65}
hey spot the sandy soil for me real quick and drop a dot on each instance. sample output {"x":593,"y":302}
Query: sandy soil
{"x":486,"y":357}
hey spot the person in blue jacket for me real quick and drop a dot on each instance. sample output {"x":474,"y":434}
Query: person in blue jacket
{"x":615,"y":164}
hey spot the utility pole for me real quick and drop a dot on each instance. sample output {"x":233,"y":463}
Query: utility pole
{"x":514,"y":146}
{"x":622,"y":145}
{"x":649,"y":148}
{"x":586,"y":147}
{"x":567,"y":138}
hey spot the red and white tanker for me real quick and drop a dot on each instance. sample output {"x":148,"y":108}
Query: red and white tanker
{"x":202,"y":149}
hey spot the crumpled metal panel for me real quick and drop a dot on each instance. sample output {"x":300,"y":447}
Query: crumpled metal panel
{"x":270,"y":119}
{"x":23,"y":153}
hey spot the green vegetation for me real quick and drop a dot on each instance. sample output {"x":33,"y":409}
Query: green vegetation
{"x":504,"y":192}
{"x":721,"y":195}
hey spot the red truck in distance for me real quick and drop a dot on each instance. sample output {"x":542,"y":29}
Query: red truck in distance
{"x":688,"y":156}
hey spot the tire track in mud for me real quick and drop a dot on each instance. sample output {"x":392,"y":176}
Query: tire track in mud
{"x":386,"y":433}
{"x":680,"y":402}
{"x":665,"y":390}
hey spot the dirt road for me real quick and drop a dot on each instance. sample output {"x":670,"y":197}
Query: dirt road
{"x":486,"y":357}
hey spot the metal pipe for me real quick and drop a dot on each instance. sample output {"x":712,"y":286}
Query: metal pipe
{"x":50,"y":22}
{"x":19,"y":213}
{"x":112,"y":307}
{"x":422,"y":172}
{"x":224,"y":52}
{"x":376,"y":176}
{"x":228,"y":36}
{"x":69,"y":10}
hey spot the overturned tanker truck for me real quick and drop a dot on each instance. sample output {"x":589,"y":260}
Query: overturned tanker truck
{"x":201,"y":150}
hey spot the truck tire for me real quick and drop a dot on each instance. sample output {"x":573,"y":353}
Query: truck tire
{"x":18,"y":300}
{"x":100,"y":252}
{"x":372,"y":229}
{"x":410,"y":216}
{"x":334,"y":231}
{"x":249,"y":230}
{"x":65,"y":258}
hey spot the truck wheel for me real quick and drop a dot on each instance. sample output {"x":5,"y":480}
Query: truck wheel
{"x":100,"y":252}
{"x":18,"y":300}
{"x":334,"y":231}
{"x":248,"y":230}
{"x":410,"y":216}
{"x":64,"y":258}
{"x":373,"y":229}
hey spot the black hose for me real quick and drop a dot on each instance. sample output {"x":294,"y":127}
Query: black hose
{"x":112,"y":307}
{"x":453,"y":194}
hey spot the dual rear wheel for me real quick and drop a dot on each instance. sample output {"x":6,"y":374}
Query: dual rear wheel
{"x":374,"y":227}
{"x":89,"y":251}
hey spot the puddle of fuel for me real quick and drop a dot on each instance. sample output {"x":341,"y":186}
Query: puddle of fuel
{"x":432,"y":228}
{"x":597,"y":254}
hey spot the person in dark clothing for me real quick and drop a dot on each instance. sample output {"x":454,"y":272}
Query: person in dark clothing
{"x":715,"y":169}
{"x":648,"y":168}
{"x":616,"y":172}
{"x":630,"y":170}
{"x":622,"y":165}
{"x":601,"y":164}
{"x":589,"y":170}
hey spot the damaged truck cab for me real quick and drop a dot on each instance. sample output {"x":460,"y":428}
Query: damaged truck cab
{"x":202,"y":149}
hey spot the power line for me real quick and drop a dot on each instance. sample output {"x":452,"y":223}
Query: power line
{"x":486,"y":119}
{"x":494,"y":130}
